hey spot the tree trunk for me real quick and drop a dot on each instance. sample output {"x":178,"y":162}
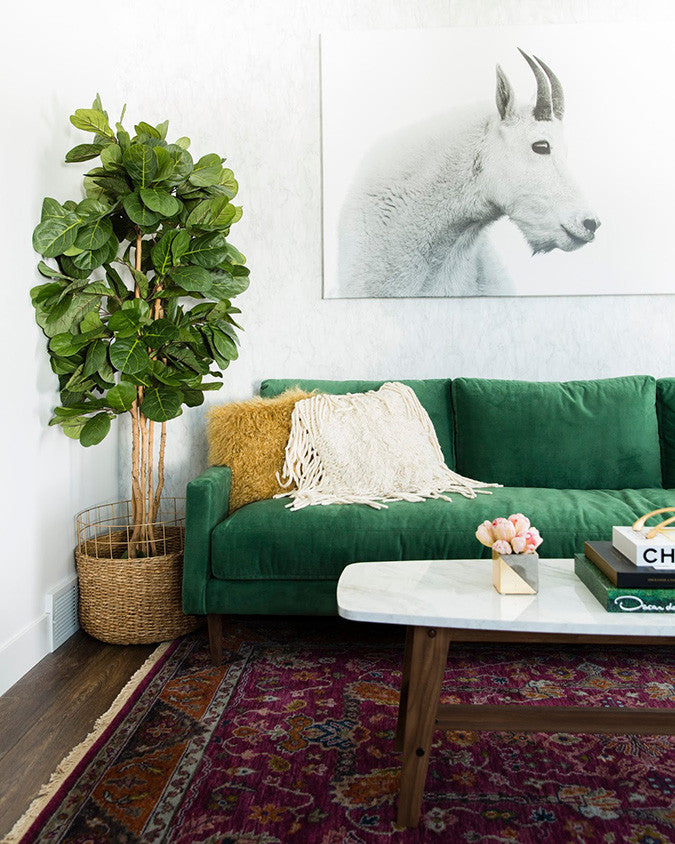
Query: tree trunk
{"x":145,"y":496}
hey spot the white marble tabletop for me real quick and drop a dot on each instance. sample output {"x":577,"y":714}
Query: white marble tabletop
{"x":459,"y":593}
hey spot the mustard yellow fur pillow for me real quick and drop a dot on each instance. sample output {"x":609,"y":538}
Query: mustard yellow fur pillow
{"x":250,"y":437}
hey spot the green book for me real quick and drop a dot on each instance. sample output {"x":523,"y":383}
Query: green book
{"x":616,"y":599}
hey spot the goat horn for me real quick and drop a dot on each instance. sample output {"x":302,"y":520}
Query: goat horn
{"x":542,"y":107}
{"x":557,"y":95}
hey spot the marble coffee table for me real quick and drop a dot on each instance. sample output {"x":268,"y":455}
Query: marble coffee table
{"x":453,"y":600}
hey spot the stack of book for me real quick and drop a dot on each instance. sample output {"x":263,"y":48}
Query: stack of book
{"x":638,"y":578}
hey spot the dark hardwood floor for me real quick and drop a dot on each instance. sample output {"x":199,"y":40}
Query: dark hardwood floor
{"x":51,"y":709}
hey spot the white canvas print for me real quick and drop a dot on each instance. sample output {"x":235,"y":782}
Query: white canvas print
{"x":498,"y":161}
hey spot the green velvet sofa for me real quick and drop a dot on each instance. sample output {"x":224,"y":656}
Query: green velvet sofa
{"x":576,"y":457}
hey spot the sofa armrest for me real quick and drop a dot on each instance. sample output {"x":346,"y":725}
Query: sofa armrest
{"x":207,"y":503}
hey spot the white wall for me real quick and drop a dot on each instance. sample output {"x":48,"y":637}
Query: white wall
{"x":243,"y":79}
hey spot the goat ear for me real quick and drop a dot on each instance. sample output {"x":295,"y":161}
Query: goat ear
{"x":506,"y":102}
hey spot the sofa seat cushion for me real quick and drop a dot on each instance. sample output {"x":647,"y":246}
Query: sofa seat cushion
{"x":266,"y":541}
{"x":578,"y":434}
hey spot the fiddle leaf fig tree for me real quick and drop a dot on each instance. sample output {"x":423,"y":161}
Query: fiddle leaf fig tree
{"x":136,"y":304}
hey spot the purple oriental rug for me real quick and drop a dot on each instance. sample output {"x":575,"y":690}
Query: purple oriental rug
{"x":291,"y":740}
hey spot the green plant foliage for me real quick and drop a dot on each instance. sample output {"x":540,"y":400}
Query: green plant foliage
{"x":111,"y":328}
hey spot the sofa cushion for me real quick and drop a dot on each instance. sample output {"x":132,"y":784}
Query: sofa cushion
{"x":250,"y":437}
{"x":266,"y":541}
{"x":572,"y":435}
{"x":665,"y":406}
{"x":433,"y":393}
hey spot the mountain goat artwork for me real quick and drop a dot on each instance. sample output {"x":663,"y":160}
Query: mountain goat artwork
{"x":416,"y":219}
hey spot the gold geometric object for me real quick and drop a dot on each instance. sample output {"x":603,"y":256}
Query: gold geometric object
{"x":515,"y":574}
{"x":639,"y":524}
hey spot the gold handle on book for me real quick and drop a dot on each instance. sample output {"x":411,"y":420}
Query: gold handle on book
{"x":640,"y":523}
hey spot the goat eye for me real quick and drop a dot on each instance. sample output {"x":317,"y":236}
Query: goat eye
{"x":541,"y":147}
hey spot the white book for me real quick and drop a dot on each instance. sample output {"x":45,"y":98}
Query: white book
{"x":657,"y":553}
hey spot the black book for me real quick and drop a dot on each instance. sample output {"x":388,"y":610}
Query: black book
{"x":622,"y":572}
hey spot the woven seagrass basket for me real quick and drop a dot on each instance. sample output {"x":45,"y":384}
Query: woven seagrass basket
{"x":132,"y":601}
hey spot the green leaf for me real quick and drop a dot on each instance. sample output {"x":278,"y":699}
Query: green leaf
{"x":159,"y":332}
{"x":138,"y":213}
{"x":183,"y":142}
{"x":51,"y":208}
{"x":83,"y":152}
{"x":206,"y":171}
{"x":164,"y":164}
{"x":193,"y":398}
{"x":161,"y":201}
{"x":111,"y":156}
{"x":97,"y":355}
{"x":92,"y":209}
{"x":141,"y":280}
{"x":224,"y":344}
{"x":111,"y":186}
{"x":192,"y":279}
{"x":123,"y":137}
{"x":89,"y":260}
{"x":161,"y":253}
{"x":115,"y":281}
{"x":187,"y":357}
{"x":91,"y":120}
{"x":121,"y":396}
{"x":91,"y":321}
{"x":53,"y":236}
{"x":95,"y":430}
{"x":97,"y":105}
{"x":43,"y":293}
{"x":94,"y":235}
{"x":228,"y":183}
{"x":179,"y":245}
{"x":207,"y":251}
{"x":228,"y":287}
{"x":66,"y":344}
{"x":50,"y":272}
{"x":146,"y":129}
{"x":127,"y":321}
{"x":140,"y":163}
{"x":70,"y":269}
{"x":181,"y":165}
{"x":162,"y":403}
{"x":129,"y":354}
{"x":163,"y":128}
{"x":215,"y":211}
{"x":235,"y":256}
{"x":72,"y":427}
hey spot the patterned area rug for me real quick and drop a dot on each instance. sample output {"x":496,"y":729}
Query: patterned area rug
{"x":290,"y":740}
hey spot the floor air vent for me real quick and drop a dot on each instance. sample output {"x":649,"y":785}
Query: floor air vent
{"x":62,"y":609}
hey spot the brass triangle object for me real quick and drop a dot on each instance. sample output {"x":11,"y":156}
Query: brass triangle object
{"x":508,"y":582}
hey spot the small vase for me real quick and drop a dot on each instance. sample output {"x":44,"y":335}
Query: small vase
{"x":515,"y":574}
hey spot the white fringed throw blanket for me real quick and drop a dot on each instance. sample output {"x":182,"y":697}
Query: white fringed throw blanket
{"x":366,"y":448}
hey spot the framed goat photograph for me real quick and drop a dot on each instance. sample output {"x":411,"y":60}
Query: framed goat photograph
{"x":498,"y":161}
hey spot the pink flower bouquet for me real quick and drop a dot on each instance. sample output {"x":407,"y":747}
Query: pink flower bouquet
{"x":514,"y":535}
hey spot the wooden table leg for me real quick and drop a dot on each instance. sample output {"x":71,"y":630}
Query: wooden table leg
{"x":428,"y":657}
{"x":405,"y":682}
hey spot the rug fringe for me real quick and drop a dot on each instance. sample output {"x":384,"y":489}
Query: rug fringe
{"x":67,"y":765}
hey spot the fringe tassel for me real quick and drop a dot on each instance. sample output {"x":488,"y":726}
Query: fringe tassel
{"x":70,"y":762}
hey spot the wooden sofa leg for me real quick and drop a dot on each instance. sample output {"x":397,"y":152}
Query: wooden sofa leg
{"x":215,"y":623}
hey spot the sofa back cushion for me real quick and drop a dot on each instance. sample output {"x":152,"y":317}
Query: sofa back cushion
{"x":665,"y":407}
{"x":433,"y":393}
{"x":571,"y":435}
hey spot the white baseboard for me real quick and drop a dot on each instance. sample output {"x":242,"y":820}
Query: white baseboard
{"x":24,"y":650}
